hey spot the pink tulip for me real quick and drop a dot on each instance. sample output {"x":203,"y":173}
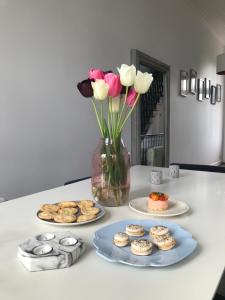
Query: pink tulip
{"x":131,"y":97}
{"x":114,"y":84}
{"x":96,"y":74}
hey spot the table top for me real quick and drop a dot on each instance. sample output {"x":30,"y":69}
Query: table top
{"x":92,"y":277}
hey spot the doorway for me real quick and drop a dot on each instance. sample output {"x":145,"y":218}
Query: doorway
{"x":150,"y":121}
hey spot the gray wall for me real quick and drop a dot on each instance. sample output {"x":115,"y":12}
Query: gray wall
{"x":47,"y":129}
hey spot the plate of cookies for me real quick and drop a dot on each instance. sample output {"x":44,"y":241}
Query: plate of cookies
{"x":67,"y":213}
{"x":159,"y":205}
{"x":144,"y":243}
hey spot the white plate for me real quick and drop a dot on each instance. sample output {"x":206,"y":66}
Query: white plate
{"x":99,"y":215}
{"x":176,"y":208}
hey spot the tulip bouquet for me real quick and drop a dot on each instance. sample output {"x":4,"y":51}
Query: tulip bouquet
{"x":114,"y":97}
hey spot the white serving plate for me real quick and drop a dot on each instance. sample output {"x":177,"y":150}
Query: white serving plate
{"x":176,"y":208}
{"x":99,"y":215}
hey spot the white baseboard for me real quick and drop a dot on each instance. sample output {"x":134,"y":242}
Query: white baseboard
{"x":217,"y":163}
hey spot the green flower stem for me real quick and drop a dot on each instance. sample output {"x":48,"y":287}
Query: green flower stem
{"x":97,"y":116}
{"x":130,"y":112}
{"x":121,"y":113}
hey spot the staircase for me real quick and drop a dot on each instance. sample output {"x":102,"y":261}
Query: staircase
{"x":150,"y":100}
{"x":150,"y":107}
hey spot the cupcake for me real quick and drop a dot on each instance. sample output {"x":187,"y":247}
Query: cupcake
{"x":158,"y":201}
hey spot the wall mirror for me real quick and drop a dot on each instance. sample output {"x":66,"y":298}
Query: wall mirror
{"x":200,"y":89}
{"x":184,"y":83}
{"x":193,"y":82}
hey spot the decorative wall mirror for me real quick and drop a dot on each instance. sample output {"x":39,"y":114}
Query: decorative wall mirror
{"x":200,"y":89}
{"x":218,"y":92}
{"x":184,"y":83}
{"x":207,"y":88}
{"x":193,"y":81}
{"x":213,"y":95}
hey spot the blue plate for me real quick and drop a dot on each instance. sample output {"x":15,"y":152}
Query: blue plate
{"x":107,"y":250}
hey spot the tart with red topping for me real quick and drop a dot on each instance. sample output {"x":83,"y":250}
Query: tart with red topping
{"x":158,"y":201}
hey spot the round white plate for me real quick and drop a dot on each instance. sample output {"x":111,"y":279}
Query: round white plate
{"x":176,"y":208}
{"x":99,"y":215}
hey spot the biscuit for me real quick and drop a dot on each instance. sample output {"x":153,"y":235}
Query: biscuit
{"x":121,"y":239}
{"x":64,"y":218}
{"x":68,"y":204}
{"x":45,"y":215}
{"x":84,"y":218}
{"x":50,"y":207}
{"x":89,"y":210}
{"x":86,"y":203}
{"x":141,"y":247}
{"x":68,"y":211}
{"x":135,"y":230}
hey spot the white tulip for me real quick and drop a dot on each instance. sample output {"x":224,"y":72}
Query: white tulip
{"x":142,"y":82}
{"x":114,"y":105}
{"x":127,"y":74}
{"x":100,"y":89}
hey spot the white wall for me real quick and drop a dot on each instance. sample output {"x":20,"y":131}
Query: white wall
{"x":47,"y":129}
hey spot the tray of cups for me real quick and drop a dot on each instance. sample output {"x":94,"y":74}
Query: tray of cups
{"x":67,"y":213}
{"x":50,"y":250}
{"x":144,"y":243}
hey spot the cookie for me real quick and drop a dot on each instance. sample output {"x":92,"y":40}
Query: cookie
{"x":135,"y":230}
{"x":159,"y":230}
{"x":64,"y":218}
{"x":141,"y":247}
{"x":67,"y":204}
{"x":165,"y":243}
{"x":121,"y":239}
{"x":68,"y":211}
{"x":84,"y":218}
{"x":50,"y":207}
{"x":86,"y":203}
{"x":89,"y":210}
{"x":45,"y":215}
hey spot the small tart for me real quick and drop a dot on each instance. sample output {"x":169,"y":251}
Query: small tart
{"x":45,"y":215}
{"x":68,"y":204}
{"x":158,"y":230}
{"x":83,"y":218}
{"x":89,"y":210}
{"x":165,"y":243}
{"x":64,"y":218}
{"x":86,"y":203}
{"x":68,"y":211}
{"x":141,"y":247}
{"x":135,"y":230}
{"x":121,"y":239}
{"x":49,"y":207}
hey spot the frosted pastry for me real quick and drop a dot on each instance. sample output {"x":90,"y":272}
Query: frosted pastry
{"x":141,"y":247}
{"x":158,"y":230}
{"x":165,"y":242}
{"x":121,"y":239}
{"x":135,"y":230}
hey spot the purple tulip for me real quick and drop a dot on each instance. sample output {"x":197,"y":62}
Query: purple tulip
{"x":85,"y":88}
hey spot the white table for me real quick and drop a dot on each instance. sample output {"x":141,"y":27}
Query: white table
{"x":94,"y":278}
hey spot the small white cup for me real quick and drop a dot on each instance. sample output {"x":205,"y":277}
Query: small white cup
{"x":156,"y":177}
{"x":174,"y":171}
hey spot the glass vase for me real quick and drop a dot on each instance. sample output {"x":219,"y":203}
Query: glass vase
{"x":111,"y":172}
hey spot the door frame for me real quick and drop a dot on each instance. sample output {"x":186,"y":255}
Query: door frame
{"x":137,"y":58}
